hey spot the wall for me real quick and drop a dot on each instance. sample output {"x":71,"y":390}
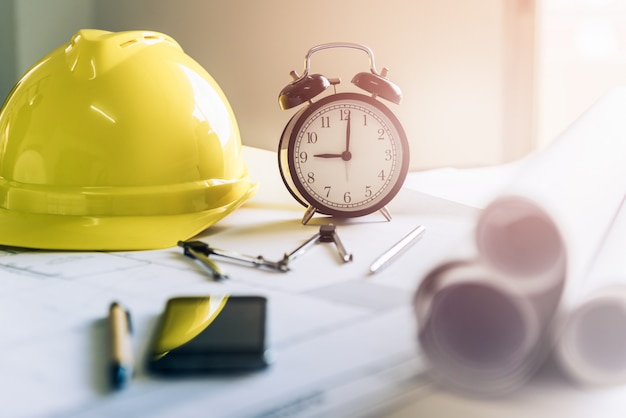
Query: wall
{"x":448,"y":57}
{"x":32,"y":28}
{"x":8,"y":68}
{"x":581,"y":54}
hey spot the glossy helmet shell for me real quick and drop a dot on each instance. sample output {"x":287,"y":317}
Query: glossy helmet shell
{"x":117,"y":141}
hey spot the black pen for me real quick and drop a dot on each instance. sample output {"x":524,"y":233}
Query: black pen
{"x":121,"y":366}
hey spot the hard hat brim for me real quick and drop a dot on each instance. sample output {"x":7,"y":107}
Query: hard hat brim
{"x":108,"y":233}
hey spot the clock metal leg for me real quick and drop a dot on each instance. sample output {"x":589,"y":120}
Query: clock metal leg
{"x":386,"y":213}
{"x":310,"y":211}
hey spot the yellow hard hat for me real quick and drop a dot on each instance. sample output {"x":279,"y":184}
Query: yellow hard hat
{"x":117,"y":141}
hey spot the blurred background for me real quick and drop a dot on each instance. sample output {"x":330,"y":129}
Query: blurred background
{"x":484,"y":81}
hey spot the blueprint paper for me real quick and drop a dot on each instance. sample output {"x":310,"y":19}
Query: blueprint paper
{"x":344,"y":342}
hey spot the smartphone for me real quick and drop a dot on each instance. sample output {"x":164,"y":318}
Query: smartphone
{"x":210,"y":334}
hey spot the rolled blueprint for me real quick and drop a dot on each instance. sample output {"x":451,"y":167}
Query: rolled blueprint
{"x":478,"y":331}
{"x":591,"y":342}
{"x":485,"y":323}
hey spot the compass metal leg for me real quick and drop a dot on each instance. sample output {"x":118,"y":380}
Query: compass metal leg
{"x":300,"y":250}
{"x":258,"y":261}
{"x":198,"y":251}
{"x":201,"y":251}
{"x":328,"y":234}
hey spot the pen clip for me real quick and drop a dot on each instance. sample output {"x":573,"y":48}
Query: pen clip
{"x":129,"y":323}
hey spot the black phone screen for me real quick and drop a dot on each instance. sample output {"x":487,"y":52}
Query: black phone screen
{"x":210,"y":334}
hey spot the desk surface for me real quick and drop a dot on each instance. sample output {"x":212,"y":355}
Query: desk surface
{"x":344,"y":342}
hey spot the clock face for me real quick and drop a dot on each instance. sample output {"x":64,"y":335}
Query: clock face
{"x":347,"y":155}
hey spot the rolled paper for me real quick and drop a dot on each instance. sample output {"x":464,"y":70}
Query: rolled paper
{"x":486,"y":323}
{"x":480,"y":333}
{"x":591,"y":341}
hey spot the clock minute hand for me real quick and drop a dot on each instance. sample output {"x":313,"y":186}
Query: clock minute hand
{"x":348,"y":136}
{"x":347,"y":155}
{"x":328,"y":155}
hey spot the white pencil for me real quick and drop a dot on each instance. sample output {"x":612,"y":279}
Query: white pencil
{"x":397,"y":249}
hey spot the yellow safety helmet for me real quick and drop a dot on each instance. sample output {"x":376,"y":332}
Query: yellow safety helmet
{"x":117,"y":141}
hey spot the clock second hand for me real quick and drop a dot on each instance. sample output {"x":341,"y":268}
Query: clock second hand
{"x":346,"y":155}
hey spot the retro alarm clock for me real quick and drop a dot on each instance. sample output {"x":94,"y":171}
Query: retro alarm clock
{"x":346,"y":154}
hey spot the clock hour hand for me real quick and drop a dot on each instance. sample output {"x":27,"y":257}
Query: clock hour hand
{"x":346,"y":156}
{"x":328,"y":155}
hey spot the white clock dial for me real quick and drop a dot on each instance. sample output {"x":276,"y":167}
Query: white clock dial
{"x":347,"y":155}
